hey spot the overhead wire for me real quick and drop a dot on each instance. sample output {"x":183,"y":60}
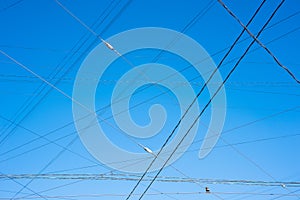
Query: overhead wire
{"x":26,"y":105}
{"x":78,"y":181}
{"x":277,"y":23}
{"x":109,"y":11}
{"x":106,"y":16}
{"x":64,"y":94}
{"x":194,"y":100}
{"x":159,"y":194}
{"x":252,"y":141}
{"x":259,"y":42}
{"x":50,"y":142}
{"x":134,"y":177}
{"x":107,"y":44}
{"x":284,"y":195}
{"x":53,"y":86}
{"x":275,"y":114}
{"x":22,"y":185}
{"x":252,"y":122}
{"x":255,"y":39}
{"x":212,"y":97}
{"x":11,"y":5}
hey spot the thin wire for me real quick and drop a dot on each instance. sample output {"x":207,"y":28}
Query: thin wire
{"x":91,"y":30}
{"x":245,"y":125}
{"x":45,"y":167}
{"x":290,"y":193}
{"x":194,"y":100}
{"x":49,"y":141}
{"x":53,"y":74}
{"x":109,"y":10}
{"x":106,"y":43}
{"x":53,"y":188}
{"x":269,"y":116}
{"x":277,"y":61}
{"x":65,"y":94}
{"x":134,"y":106}
{"x":254,"y":141}
{"x":255,"y":121}
{"x":134,"y":177}
{"x":259,"y":42}
{"x":23,"y":186}
{"x":11,"y":5}
{"x":158,"y":194}
{"x":277,"y":23}
{"x":108,"y":173}
{"x":81,"y":45}
{"x":219,"y":88}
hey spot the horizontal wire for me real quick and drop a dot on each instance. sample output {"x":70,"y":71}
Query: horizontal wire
{"x":158,"y":194}
{"x":133,"y":177}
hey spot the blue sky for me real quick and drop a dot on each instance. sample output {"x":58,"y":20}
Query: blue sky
{"x":260,"y":139}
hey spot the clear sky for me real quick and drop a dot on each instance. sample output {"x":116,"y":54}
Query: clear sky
{"x":260,"y":142}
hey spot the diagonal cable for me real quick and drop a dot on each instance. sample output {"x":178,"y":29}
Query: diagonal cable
{"x":217,"y":91}
{"x":260,"y":43}
{"x":195,"y":99}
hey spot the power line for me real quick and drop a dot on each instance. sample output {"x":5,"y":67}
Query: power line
{"x":289,"y":32}
{"x":159,"y":194}
{"x":273,"y":40}
{"x":256,"y":40}
{"x":59,"y":68}
{"x":108,"y":45}
{"x":194,"y":100}
{"x":227,"y":77}
{"x":254,"y":141}
{"x":132,"y":177}
{"x":112,"y":48}
{"x":66,"y":95}
{"x":53,"y":86}
{"x":11,"y":5}
{"x":290,"y":193}
{"x":108,"y":9}
{"x":259,"y":42}
{"x":247,"y":124}
{"x":63,"y":93}
{"x":50,"y":142}
{"x":1,"y":174}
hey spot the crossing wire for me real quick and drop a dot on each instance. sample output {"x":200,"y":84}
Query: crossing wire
{"x":260,"y":43}
{"x":103,"y":108}
{"x":133,"y":177}
{"x":194,"y":100}
{"x":278,"y":195}
{"x":205,"y":107}
{"x":62,"y":137}
{"x":75,"y":49}
{"x":62,"y":92}
{"x":22,"y":185}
